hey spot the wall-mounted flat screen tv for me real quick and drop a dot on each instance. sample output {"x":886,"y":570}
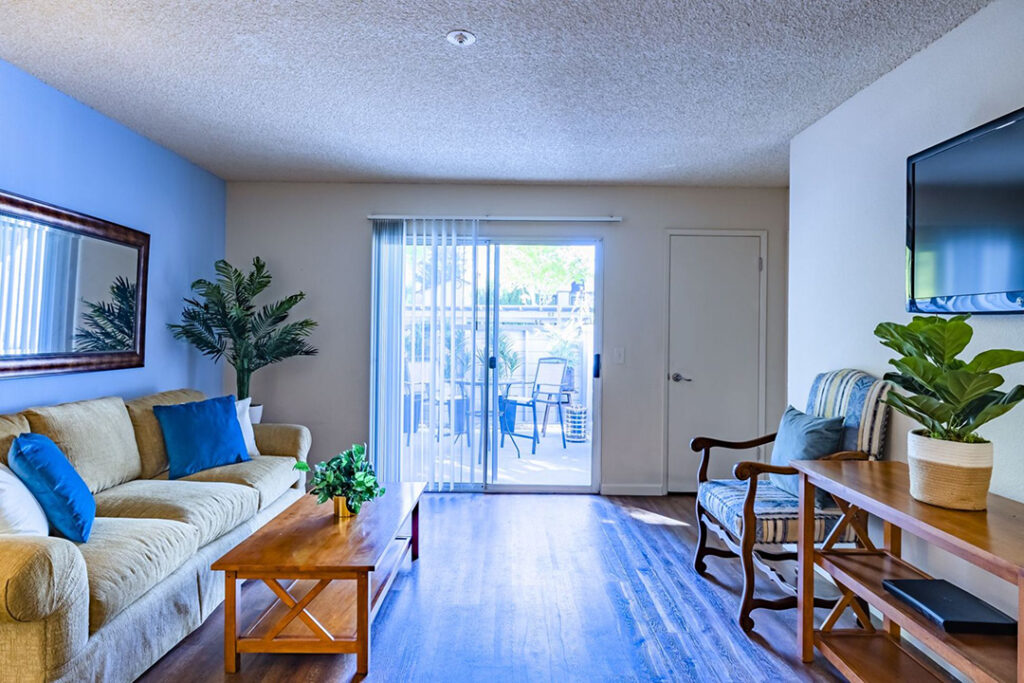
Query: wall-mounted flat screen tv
{"x":965,"y":222}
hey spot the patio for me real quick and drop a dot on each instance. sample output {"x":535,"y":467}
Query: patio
{"x":551,"y":465}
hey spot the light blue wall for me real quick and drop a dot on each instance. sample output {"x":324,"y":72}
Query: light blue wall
{"x":57,"y":150}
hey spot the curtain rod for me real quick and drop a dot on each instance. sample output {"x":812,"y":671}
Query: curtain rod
{"x":504,"y":219}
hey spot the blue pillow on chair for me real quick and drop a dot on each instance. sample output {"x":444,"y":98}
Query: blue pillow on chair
{"x":804,"y":437}
{"x":201,"y":435}
{"x":42,"y":466}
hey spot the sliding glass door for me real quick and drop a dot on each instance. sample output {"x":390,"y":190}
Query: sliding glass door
{"x":483,"y":361}
{"x":544,"y":324}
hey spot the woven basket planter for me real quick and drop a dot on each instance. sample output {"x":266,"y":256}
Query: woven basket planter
{"x":948,"y":473}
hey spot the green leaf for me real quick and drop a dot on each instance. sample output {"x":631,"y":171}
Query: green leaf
{"x":935,"y":409}
{"x":900,"y":403}
{"x":927,"y":376}
{"x":301,"y":466}
{"x":905,"y":382}
{"x":994,"y":358}
{"x":965,"y":386}
{"x":946,"y":339}
{"x":1000,"y":406}
{"x":899,"y":338}
{"x":991,"y":412}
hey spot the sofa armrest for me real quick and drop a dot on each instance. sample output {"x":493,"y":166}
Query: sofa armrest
{"x":44,"y":605}
{"x":281,"y":439}
{"x":38,"y":576}
{"x":287,"y":440}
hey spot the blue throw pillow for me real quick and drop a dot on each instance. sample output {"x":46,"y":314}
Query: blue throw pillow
{"x":804,"y":437}
{"x":42,"y":466}
{"x":201,"y":435}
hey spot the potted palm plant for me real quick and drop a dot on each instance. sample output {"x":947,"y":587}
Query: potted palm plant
{"x":348,"y":479}
{"x":223,"y":321}
{"x":950,"y":463}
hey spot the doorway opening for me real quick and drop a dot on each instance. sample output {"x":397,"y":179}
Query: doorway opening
{"x":486,"y":360}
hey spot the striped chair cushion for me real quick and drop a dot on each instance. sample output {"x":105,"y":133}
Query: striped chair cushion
{"x":858,"y":397}
{"x":777,"y":511}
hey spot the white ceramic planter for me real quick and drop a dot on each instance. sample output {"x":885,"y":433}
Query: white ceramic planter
{"x":949,"y":473}
{"x":256,"y":413}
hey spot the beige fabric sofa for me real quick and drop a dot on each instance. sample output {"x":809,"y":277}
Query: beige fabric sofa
{"x":107,"y":609}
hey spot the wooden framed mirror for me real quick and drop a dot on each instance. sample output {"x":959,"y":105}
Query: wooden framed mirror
{"x":72,"y":291}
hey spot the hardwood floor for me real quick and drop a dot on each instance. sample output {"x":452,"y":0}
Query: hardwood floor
{"x":540,"y":588}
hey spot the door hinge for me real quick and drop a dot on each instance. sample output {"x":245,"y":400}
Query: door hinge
{"x":760,"y":263}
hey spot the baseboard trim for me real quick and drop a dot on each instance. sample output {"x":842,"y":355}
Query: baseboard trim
{"x":632,"y":490}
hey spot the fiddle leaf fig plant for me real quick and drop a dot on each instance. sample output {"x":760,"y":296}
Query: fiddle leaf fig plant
{"x":950,"y":397}
{"x":347,"y":474}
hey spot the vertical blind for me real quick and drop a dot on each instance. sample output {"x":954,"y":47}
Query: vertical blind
{"x":38,"y":266}
{"x":427,"y":352}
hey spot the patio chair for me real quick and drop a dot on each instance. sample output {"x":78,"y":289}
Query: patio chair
{"x":754,"y":519}
{"x":547,"y":389}
{"x":415,"y":394}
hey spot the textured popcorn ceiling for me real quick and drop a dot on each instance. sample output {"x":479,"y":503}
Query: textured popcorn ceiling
{"x":704,"y":92}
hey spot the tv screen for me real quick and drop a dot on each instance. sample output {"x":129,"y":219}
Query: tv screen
{"x":965,"y":222}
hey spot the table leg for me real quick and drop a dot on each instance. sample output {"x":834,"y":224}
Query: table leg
{"x":1020,"y":631}
{"x":232,"y":660}
{"x":415,"y":542}
{"x":893,"y":541}
{"x":363,"y":623}
{"x":805,"y":551}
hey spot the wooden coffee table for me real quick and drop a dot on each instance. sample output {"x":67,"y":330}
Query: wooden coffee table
{"x":330,"y":576}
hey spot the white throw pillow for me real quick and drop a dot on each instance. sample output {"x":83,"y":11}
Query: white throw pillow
{"x":245,"y":422}
{"x":20,"y":512}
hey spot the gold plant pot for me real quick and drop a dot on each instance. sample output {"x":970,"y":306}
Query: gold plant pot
{"x":341,"y":508}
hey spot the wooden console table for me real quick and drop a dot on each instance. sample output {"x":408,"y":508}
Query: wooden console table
{"x":992,"y":540}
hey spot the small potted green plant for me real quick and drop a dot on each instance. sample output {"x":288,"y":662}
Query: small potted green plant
{"x":950,"y":463}
{"x":347,"y":478}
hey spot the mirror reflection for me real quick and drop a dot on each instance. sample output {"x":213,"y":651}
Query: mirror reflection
{"x":64,"y":292}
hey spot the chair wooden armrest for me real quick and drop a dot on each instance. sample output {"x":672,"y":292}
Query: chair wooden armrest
{"x":701,"y":443}
{"x":848,"y":455}
{"x":706,"y":443}
{"x":749,"y":469}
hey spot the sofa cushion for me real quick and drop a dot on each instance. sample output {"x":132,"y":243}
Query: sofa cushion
{"x":213,"y":508}
{"x":11,"y":427}
{"x":96,"y":436}
{"x":270,"y":475}
{"x":201,"y":435}
{"x":124,"y":558}
{"x":64,"y":497}
{"x":150,"y":439}
{"x":20,"y":512}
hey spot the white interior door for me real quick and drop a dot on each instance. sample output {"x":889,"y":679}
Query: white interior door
{"x":716,"y":374}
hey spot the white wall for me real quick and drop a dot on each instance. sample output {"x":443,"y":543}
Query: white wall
{"x":848,"y":218}
{"x":315,"y":237}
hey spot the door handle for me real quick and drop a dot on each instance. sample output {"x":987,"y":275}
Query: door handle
{"x":676,"y":377}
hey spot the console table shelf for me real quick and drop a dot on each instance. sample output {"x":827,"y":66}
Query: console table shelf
{"x":990,"y":540}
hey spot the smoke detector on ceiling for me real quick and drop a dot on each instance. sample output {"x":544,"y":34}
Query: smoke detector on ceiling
{"x":461,"y":38}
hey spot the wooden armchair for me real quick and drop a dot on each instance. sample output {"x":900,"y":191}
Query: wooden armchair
{"x":755,"y":519}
